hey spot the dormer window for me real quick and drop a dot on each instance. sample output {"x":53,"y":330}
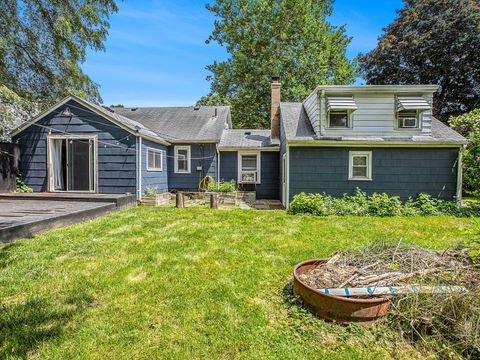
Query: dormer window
{"x":408,"y":119}
{"x":339,"y":112}
{"x":339,"y":119}
{"x":409,"y":111}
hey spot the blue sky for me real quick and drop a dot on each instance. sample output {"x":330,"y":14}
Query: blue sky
{"x":156,"y":52}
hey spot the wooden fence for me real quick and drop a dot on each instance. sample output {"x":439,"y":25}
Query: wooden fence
{"x":9,"y":162}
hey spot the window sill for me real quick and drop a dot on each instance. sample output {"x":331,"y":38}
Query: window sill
{"x":360,"y":179}
{"x":182,"y":172}
{"x":154,"y":170}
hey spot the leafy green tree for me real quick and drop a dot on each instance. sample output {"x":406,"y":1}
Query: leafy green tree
{"x":469,"y":126}
{"x":42,"y":45}
{"x":287,"y":38}
{"x":432,"y":42}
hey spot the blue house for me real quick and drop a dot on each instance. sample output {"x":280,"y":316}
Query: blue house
{"x":376,"y":138}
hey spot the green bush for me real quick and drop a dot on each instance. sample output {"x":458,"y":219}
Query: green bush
{"x":151,"y":191}
{"x":469,"y":126}
{"x":381,"y":205}
{"x":22,"y":187}
{"x":223,"y":186}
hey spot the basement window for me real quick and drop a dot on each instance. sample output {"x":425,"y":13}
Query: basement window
{"x":154,"y":160}
{"x":182,"y":159}
{"x":360,"y":165}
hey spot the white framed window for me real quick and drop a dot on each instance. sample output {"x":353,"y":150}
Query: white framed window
{"x":339,"y":119}
{"x":360,"y":165}
{"x":408,"y":119}
{"x":249,"y":168}
{"x":154,"y":160}
{"x":182,"y":159}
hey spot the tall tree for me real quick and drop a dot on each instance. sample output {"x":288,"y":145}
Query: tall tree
{"x":432,"y":42}
{"x":42,"y":45}
{"x":287,"y":38}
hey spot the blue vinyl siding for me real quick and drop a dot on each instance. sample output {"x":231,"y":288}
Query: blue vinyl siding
{"x":269,"y":188}
{"x":202,"y":154}
{"x":157,"y":179}
{"x":403,"y":172}
{"x":116,"y":161}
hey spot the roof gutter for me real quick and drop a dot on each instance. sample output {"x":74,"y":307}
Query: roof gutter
{"x":340,"y":143}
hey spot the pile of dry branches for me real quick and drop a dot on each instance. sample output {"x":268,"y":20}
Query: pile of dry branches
{"x":391,"y":266}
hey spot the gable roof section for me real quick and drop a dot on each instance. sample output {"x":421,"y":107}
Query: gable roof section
{"x":246,"y":139}
{"x":298,"y":128}
{"x":295,"y":122}
{"x":131,"y":126}
{"x":182,"y":124}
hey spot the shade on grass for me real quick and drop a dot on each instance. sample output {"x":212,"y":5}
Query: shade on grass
{"x":190,"y":283}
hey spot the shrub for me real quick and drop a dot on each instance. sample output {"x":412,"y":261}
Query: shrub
{"x":151,"y":191}
{"x":381,"y":205}
{"x":469,"y":126}
{"x":222,"y":186}
{"x":22,"y":187}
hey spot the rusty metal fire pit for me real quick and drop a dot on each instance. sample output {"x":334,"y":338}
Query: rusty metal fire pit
{"x":336,"y":308}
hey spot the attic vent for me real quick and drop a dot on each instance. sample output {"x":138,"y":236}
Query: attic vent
{"x":196,"y":107}
{"x":248,"y":133}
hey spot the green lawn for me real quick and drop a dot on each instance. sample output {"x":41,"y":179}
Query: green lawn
{"x":190,"y":283}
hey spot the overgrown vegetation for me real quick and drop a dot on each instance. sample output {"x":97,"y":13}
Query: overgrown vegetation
{"x":194,"y":283}
{"x":380,"y":205}
{"x":474,"y":243}
{"x":222,"y":186}
{"x":469,"y":126}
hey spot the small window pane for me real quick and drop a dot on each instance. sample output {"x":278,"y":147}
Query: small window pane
{"x":360,"y":172}
{"x":158,"y":160}
{"x":151,"y":159}
{"x":339,"y":118}
{"x":182,"y":159}
{"x":360,"y":160}
{"x":249,"y":162}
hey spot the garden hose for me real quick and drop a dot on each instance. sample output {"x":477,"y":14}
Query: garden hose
{"x":204,"y":184}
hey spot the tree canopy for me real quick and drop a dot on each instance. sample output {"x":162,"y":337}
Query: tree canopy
{"x":287,"y":38}
{"x":469,"y":126}
{"x":432,"y":42}
{"x":42,"y":45}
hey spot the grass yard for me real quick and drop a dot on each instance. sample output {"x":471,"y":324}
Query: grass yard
{"x":191,"y":283}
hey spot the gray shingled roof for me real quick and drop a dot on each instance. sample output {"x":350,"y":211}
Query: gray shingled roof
{"x":133,"y":125}
{"x":246,"y":138}
{"x":177,"y":124}
{"x":297,"y":127}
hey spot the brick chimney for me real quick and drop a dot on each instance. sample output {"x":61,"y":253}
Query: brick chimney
{"x":275,"y":114}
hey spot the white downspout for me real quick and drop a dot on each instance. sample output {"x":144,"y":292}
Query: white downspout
{"x":218,"y":166}
{"x":460,"y":175}
{"x":139,"y":169}
{"x":287,"y":176}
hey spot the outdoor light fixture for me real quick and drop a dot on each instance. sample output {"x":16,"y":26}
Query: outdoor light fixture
{"x":67,"y":112}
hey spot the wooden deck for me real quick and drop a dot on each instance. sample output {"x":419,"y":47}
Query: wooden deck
{"x":24,"y":215}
